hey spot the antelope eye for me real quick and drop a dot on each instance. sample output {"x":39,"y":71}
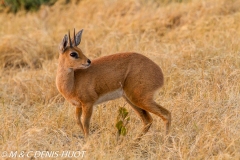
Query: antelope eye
{"x":74,"y":55}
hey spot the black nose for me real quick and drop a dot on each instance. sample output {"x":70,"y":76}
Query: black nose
{"x":89,"y":61}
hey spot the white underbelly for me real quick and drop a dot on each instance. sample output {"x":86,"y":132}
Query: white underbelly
{"x":110,"y":96}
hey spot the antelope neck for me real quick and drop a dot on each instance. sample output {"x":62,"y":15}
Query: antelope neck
{"x":65,"y":80}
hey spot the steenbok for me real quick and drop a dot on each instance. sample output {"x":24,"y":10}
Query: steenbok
{"x":86,"y":83}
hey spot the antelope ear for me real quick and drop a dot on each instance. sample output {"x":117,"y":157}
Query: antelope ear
{"x":63,"y":44}
{"x":78,"y":38}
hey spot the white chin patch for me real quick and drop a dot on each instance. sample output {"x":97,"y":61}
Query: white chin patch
{"x":82,"y":67}
{"x":85,"y":66}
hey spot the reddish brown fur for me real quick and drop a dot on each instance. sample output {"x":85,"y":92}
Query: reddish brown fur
{"x":136,"y":75}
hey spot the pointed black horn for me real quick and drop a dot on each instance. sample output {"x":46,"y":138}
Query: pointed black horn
{"x":70,"y":42}
{"x":74,"y":36}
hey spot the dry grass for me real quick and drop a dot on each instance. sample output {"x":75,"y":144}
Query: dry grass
{"x":196,"y":43}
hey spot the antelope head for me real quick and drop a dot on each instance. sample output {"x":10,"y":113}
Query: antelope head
{"x":71,"y":56}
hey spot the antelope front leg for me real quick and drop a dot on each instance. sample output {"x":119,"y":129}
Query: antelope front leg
{"x":86,"y":117}
{"x":78,"y":115}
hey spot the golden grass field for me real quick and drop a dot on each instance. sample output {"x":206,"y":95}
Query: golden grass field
{"x":196,"y":43}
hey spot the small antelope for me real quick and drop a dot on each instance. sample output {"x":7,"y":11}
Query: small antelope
{"x":86,"y":83}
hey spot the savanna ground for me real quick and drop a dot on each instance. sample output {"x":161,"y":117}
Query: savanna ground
{"x":196,"y":43}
